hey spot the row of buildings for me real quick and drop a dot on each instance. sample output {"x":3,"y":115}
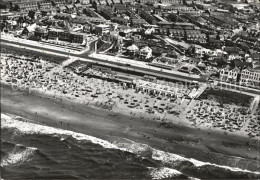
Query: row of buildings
{"x":212,"y":34}
{"x":246,"y":77}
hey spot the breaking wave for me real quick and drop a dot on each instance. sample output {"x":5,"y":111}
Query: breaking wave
{"x":19,"y":154}
{"x":172,"y":164}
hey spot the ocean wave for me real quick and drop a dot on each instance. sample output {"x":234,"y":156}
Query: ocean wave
{"x":171,"y":158}
{"x":163,"y":172}
{"x":19,"y":154}
{"x":136,"y":148}
{"x":31,"y":128}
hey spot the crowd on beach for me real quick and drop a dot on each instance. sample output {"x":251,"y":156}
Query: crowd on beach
{"x":139,"y":101}
{"x":228,"y":117}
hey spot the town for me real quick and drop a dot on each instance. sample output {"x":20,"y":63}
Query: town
{"x":213,"y":39}
{"x":181,"y":75}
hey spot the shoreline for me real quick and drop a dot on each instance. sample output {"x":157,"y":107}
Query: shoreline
{"x":113,"y":126}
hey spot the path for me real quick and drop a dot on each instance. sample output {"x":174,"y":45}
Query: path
{"x":68,"y":61}
{"x":254,"y":104}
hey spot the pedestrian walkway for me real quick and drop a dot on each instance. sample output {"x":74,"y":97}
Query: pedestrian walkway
{"x":254,"y":105}
{"x":68,"y":61}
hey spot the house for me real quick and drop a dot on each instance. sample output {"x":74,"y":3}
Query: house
{"x":78,"y":6}
{"x":45,"y":5}
{"x":102,"y":29}
{"x":148,"y":17}
{"x":84,"y":1}
{"x":119,"y":8}
{"x":234,"y":56}
{"x":256,"y":57}
{"x":230,"y":49}
{"x":148,"y":1}
{"x":62,"y":35}
{"x":127,"y":1}
{"x":251,"y":41}
{"x":177,"y":33}
{"x":229,"y":75}
{"x":138,"y":22}
{"x":133,"y":49}
{"x":90,"y":12}
{"x":79,"y":19}
{"x":106,"y":13}
{"x":177,"y":8}
{"x":76,"y":37}
{"x":172,"y":1}
{"x":70,"y":7}
{"x":116,"y":1}
{"x":214,"y":43}
{"x":145,"y":53}
{"x":249,"y":77}
{"x":27,"y":6}
{"x":62,"y":9}
{"x":59,"y":3}
{"x":195,"y":36}
{"x":119,"y":20}
{"x":41,"y":32}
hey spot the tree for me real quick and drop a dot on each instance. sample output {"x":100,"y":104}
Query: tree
{"x":31,"y":14}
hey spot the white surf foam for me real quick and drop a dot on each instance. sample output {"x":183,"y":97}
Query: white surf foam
{"x":18,"y":156}
{"x":136,"y":148}
{"x":170,"y":158}
{"x":30,"y":128}
{"x":164,"y":172}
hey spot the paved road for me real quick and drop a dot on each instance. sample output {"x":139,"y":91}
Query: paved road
{"x":153,"y":72}
{"x":86,"y":57}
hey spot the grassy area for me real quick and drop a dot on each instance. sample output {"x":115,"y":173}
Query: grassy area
{"x":227,"y":97}
{"x":32,"y":54}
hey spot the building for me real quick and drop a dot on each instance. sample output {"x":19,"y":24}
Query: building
{"x":106,"y":13}
{"x":133,"y":50}
{"x":90,"y":12}
{"x":177,"y":33}
{"x":59,"y":3}
{"x":102,"y":29}
{"x":77,"y":37}
{"x":79,"y":19}
{"x":250,"y":78}
{"x":62,"y":35}
{"x":84,"y":1}
{"x":120,"y":8}
{"x":127,"y":1}
{"x":148,"y":1}
{"x":119,"y":20}
{"x":41,"y":33}
{"x":45,"y":5}
{"x":177,"y":8}
{"x":102,"y":2}
{"x":229,"y":75}
{"x":172,"y":1}
{"x":195,"y":36}
{"x":138,"y":22}
{"x":148,"y":17}
{"x":131,"y":14}
{"x":26,"y":7}
{"x":145,"y":53}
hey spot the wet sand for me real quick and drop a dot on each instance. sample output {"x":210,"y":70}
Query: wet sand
{"x":194,"y":143}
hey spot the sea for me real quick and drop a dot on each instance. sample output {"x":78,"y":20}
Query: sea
{"x":36,"y":151}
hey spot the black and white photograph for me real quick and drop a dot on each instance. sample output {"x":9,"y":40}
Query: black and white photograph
{"x":130,"y":89}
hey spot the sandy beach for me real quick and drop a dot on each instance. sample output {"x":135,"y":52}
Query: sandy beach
{"x":101,"y":110}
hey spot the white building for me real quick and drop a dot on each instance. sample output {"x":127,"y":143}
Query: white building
{"x":250,"y":78}
{"x":227,"y":75}
{"x":145,"y":53}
